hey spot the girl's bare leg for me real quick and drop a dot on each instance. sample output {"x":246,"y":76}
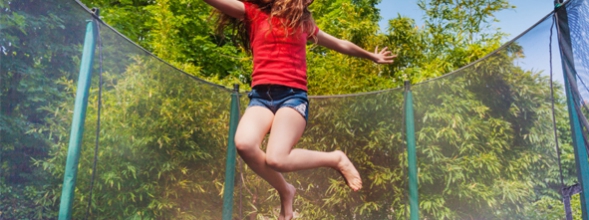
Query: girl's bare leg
{"x":253,"y":126}
{"x":286,"y":130}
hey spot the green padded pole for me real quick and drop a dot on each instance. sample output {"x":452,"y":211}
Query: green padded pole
{"x":231,"y":156}
{"x":73,"y":155}
{"x":568,"y":66}
{"x":411,"y":154}
{"x":579,"y":149}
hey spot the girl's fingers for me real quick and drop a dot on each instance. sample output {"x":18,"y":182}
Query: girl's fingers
{"x":386,"y":56}
{"x":383,"y":49}
{"x":389,"y":57}
{"x":385,"y":61}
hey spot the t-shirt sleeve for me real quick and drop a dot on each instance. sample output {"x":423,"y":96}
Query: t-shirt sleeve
{"x":250,"y":10}
{"x":314,"y":34}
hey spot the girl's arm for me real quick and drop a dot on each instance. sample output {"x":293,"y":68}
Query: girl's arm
{"x":232,"y":8}
{"x":349,"y":48}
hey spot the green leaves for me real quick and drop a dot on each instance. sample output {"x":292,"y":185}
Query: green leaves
{"x":485,"y":148}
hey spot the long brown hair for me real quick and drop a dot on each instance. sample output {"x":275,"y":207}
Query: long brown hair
{"x":294,"y":16}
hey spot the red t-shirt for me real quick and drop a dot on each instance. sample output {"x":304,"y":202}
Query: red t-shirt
{"x":278,"y":59}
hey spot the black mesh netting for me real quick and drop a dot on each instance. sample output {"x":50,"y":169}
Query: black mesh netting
{"x":485,"y":141}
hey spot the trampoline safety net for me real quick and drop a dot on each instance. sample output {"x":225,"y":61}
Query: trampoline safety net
{"x":485,"y":138}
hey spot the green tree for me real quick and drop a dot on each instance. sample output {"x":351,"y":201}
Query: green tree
{"x":460,"y":32}
{"x":330,"y":72}
{"x":162,"y":145}
{"x":485,"y":144}
{"x":485,"y":137}
{"x":35,"y":53}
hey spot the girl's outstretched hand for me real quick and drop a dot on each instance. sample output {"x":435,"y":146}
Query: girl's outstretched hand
{"x":384,"y":56}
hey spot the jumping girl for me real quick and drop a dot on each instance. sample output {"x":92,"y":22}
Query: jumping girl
{"x":276,"y":33}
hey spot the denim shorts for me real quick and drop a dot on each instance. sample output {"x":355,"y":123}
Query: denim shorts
{"x":274,"y":97}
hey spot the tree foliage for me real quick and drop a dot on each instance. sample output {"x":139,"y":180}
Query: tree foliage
{"x":146,"y":168}
{"x":485,"y":144}
{"x":34,"y":55}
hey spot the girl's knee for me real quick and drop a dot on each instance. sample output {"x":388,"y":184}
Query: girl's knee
{"x":276,"y":163}
{"x":242,"y":144}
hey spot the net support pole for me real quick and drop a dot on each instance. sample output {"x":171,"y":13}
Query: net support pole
{"x":566,"y":52}
{"x":79,"y":117}
{"x":231,"y":156}
{"x":411,"y":154}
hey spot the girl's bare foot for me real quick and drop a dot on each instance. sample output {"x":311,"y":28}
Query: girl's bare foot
{"x":286,"y":202}
{"x":349,"y":172}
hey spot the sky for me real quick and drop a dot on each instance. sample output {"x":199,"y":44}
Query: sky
{"x":511,"y":21}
